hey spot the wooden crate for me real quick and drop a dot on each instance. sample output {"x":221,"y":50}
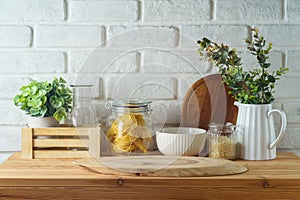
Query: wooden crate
{"x":60,"y":142}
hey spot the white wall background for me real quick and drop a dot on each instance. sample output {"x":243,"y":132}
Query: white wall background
{"x":44,"y":38}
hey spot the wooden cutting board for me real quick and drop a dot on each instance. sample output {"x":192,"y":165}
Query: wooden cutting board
{"x":184,"y":166}
{"x":207,"y":101}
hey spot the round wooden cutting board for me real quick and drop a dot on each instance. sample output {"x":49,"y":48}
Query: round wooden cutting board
{"x":207,"y":101}
{"x":184,"y":166}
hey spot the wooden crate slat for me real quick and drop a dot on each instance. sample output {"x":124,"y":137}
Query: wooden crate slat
{"x":60,"y":154}
{"x":54,"y":131}
{"x":58,"y":142}
{"x":27,"y":143}
{"x":63,"y":131}
{"x":94,"y":147}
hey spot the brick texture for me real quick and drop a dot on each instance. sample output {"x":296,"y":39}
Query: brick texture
{"x":293,"y":10}
{"x":15,"y":116}
{"x":158,"y":61}
{"x":293,"y":60}
{"x":288,"y":86}
{"x":166,"y":112}
{"x":69,"y":36}
{"x":10,"y":85}
{"x":229,"y":34}
{"x":104,"y":10}
{"x":281,"y":35}
{"x":136,"y":86}
{"x":291,"y":140}
{"x":160,"y":10}
{"x":32,"y":10}
{"x":122,"y":36}
{"x":249,"y":10}
{"x":10,"y":138}
{"x":32,"y":62}
{"x":103,"y":61}
{"x":292,"y":107}
{"x":15,"y":36}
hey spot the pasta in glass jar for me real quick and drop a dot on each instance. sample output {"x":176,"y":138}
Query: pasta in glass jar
{"x":131,"y":128}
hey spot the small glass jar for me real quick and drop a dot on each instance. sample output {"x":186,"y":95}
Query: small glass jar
{"x":82,"y":112}
{"x":130,"y":126}
{"x":222,"y":141}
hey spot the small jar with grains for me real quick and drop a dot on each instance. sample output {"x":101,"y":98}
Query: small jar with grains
{"x":222,"y":141}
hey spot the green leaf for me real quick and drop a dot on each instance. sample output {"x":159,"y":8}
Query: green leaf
{"x":206,"y":40}
{"x":56,"y":102}
{"x":34,"y":103}
{"x":26,"y":92}
{"x":35,"y":111}
{"x":60,"y":114}
{"x":61,"y":80}
{"x":43,"y":110}
{"x":266,"y":65}
{"x":34,"y":89}
{"x":271,"y":79}
{"x":224,"y":54}
{"x":44,"y":100}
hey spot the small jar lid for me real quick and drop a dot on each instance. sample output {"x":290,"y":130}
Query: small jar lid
{"x":129,"y":105}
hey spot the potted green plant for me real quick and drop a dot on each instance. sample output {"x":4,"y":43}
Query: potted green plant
{"x":46,"y":102}
{"x":254,"y":91}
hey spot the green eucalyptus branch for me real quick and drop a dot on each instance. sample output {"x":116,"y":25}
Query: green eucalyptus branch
{"x":255,"y":86}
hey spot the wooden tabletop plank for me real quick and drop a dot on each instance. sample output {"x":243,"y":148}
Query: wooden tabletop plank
{"x":283,"y":171}
{"x":61,"y":179}
{"x":77,"y":193}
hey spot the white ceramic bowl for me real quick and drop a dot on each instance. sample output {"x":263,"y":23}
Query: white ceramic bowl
{"x":178,"y":141}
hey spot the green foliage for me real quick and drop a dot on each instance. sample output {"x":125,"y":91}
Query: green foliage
{"x":254,"y":86}
{"x":45,"y":99}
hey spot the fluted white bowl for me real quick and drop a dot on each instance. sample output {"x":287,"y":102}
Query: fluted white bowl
{"x":181,"y":141}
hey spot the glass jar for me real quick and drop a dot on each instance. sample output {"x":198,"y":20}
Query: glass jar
{"x":82,"y":112}
{"x":130,"y":126}
{"x":222,"y":141}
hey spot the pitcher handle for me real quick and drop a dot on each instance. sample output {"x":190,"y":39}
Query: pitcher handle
{"x":282,"y":129}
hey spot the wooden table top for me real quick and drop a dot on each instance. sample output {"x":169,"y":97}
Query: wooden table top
{"x":277,"y":179}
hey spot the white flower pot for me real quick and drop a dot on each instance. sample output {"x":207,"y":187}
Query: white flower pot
{"x":39,"y":122}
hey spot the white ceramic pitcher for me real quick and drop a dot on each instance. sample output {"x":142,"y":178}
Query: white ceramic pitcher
{"x":258,"y":141}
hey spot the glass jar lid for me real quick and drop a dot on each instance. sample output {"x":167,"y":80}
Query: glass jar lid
{"x":129,"y":105}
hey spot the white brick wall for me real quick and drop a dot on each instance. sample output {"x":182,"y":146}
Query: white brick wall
{"x":293,"y":9}
{"x":32,"y":10}
{"x":143,"y":36}
{"x":10,"y":85}
{"x":10,"y":114}
{"x":157,"y":61}
{"x":137,"y":86}
{"x":218,"y":33}
{"x":106,"y":10}
{"x":112,"y":61}
{"x":180,"y":10}
{"x":68,"y":36}
{"x":15,"y":36}
{"x":249,"y":10}
{"x":32,"y":62}
{"x":293,"y":61}
{"x":146,"y":45}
